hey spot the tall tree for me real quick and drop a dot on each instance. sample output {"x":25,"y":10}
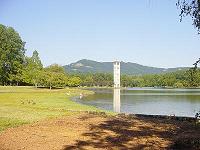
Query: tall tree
{"x":11,"y":55}
{"x":32,"y":69}
{"x":36,"y":60}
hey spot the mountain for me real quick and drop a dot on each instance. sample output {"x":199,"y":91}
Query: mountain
{"x":90,"y":66}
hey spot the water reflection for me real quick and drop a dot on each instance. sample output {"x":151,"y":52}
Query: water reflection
{"x":116,"y":100}
{"x":181,"y":102}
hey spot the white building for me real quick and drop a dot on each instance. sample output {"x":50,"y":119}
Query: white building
{"x":116,"y":69}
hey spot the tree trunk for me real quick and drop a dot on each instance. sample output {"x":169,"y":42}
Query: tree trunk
{"x":35,"y":85}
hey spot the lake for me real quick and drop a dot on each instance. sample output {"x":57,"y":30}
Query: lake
{"x":153,"y":101}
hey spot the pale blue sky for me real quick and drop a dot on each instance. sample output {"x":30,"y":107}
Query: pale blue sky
{"x":147,"y":32}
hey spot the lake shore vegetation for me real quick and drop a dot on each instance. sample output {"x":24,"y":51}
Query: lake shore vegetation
{"x":18,"y":69}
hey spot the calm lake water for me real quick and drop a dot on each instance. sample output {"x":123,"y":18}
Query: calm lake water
{"x":179,"y":102}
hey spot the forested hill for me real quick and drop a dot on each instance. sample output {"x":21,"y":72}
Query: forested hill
{"x":90,"y":66}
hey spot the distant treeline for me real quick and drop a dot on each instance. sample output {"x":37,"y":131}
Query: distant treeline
{"x":178,"y":79}
{"x":18,"y":69}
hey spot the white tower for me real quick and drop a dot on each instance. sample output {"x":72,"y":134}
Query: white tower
{"x":116,"y":68}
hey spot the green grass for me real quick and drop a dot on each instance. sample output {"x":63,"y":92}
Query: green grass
{"x":21,"y":105}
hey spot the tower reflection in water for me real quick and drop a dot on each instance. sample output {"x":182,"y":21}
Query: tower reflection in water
{"x":116,"y":100}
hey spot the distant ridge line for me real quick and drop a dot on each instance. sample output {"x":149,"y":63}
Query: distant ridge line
{"x":129,"y":68}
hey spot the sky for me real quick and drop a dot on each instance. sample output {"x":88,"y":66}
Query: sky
{"x":147,"y":32}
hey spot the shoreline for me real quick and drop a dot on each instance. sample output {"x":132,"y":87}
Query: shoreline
{"x":104,"y":112}
{"x":81,"y":126}
{"x":95,"y":130}
{"x":105,"y":87}
{"x":126,"y":113}
{"x":183,"y":118}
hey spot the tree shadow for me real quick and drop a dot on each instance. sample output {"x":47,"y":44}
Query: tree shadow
{"x":123,"y":132}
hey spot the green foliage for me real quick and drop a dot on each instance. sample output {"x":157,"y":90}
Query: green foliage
{"x":36,"y":60}
{"x":74,"y":81}
{"x":55,"y":68}
{"x":53,"y":76}
{"x":88,"y":80}
{"x":96,"y":79}
{"x":177,"y":79}
{"x":11,"y":55}
{"x":16,"y":69}
{"x":178,"y":85}
{"x":32,"y":68}
{"x":190,"y":8}
{"x":192,"y":77}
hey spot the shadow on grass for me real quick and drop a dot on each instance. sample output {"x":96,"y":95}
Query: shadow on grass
{"x":130,"y":133}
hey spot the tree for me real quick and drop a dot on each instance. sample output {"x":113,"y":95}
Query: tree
{"x":194,"y":75}
{"x":36,"y":60}
{"x":55,"y":68}
{"x":32,"y":69}
{"x":54,"y":76}
{"x":74,"y":81}
{"x":178,"y":85}
{"x":190,"y":8}
{"x":11,"y":55}
{"x":88,"y":80}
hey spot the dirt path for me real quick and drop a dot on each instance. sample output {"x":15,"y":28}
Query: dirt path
{"x":88,"y":131}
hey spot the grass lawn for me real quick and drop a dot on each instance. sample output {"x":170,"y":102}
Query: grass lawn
{"x":20,"y":105}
